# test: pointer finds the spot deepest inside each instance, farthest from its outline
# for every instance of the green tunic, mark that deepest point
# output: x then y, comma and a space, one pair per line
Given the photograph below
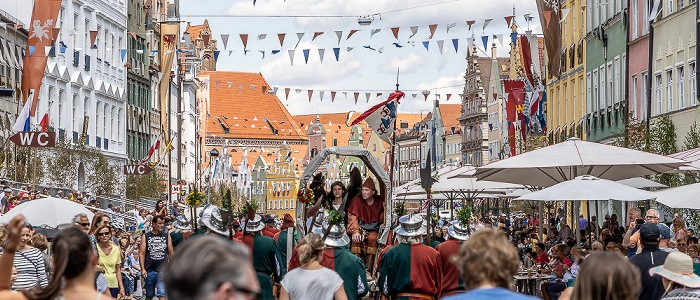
265, 262
352, 270
410, 268
177, 239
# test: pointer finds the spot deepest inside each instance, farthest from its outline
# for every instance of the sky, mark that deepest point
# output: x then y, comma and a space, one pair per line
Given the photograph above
360, 70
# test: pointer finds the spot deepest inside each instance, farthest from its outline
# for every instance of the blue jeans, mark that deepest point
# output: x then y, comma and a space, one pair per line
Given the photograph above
128, 282
554, 289
154, 285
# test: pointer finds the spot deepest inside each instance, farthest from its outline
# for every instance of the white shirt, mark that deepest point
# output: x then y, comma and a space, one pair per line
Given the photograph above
318, 284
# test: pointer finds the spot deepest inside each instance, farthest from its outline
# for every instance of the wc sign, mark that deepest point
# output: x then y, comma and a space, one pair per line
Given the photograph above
137, 169
34, 139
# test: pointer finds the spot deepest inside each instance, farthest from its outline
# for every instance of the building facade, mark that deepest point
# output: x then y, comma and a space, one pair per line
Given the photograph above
638, 61
139, 101
12, 44
605, 65
282, 184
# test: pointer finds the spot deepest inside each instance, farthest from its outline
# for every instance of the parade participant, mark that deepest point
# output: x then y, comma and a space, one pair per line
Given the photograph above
487, 263
269, 229
312, 280
214, 223
281, 239
451, 281
334, 199
365, 216
204, 213
210, 268
410, 270
350, 267
355, 185
182, 226
156, 247
265, 256
74, 276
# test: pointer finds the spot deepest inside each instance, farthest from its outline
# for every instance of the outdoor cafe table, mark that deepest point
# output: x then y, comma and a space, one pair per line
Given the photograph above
530, 282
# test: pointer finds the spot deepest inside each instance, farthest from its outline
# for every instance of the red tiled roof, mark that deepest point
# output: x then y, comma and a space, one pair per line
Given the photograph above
194, 30
251, 111
450, 113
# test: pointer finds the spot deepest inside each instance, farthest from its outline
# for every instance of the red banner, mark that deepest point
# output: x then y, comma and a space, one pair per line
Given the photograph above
44, 19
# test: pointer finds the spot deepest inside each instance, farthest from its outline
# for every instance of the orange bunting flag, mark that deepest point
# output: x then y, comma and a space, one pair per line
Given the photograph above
432, 30
93, 36
547, 16
54, 33
44, 19
356, 95
395, 30
332, 96
583, 7
281, 37
311, 92
448, 97
508, 19
470, 23
244, 39
316, 34
379, 94
286, 93
351, 33
426, 97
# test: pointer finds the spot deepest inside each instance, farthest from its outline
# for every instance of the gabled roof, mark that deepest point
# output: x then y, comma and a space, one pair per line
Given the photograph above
336, 125
251, 112
194, 30
450, 113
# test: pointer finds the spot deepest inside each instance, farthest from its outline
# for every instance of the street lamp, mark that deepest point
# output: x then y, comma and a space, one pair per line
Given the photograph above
213, 153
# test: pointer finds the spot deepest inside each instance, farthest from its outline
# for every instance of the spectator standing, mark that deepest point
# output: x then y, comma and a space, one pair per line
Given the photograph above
156, 247
582, 225
5, 201
679, 230
312, 280
629, 240
110, 259
651, 256
678, 278
604, 276
29, 262
665, 238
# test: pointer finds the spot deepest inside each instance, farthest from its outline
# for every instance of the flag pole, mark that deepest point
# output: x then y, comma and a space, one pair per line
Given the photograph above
393, 142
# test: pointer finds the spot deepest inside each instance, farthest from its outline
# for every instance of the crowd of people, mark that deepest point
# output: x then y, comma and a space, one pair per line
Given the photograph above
259, 257
11, 198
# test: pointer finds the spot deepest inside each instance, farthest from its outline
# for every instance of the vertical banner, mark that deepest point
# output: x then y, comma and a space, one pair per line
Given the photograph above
168, 41
552, 35
44, 19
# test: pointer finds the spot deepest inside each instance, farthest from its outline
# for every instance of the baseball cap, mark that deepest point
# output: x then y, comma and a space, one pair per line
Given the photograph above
649, 232
8, 190
664, 230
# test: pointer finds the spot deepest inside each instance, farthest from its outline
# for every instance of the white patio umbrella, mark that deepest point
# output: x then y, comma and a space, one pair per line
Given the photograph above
50, 211
566, 160
686, 196
640, 183
692, 156
588, 188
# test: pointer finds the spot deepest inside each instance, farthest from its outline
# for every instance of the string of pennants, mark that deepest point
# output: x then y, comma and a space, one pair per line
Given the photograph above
239, 87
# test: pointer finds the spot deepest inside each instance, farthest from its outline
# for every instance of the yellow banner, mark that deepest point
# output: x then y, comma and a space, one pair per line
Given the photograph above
168, 42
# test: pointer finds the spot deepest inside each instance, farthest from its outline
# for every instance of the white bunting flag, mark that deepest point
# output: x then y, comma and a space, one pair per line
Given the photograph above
224, 39
320, 53
374, 31
414, 30
367, 96
451, 25
440, 44
339, 33
262, 36
291, 56
486, 23
299, 35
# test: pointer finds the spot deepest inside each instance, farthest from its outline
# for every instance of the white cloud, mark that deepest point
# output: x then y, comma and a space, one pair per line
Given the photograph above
408, 64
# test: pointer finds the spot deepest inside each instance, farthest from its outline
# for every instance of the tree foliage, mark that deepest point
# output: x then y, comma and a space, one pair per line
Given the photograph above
149, 185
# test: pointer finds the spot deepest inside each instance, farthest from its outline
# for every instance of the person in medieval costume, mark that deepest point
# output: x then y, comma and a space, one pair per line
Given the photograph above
410, 269
350, 267
451, 281
182, 229
204, 213
214, 222
354, 187
269, 229
315, 226
281, 239
266, 260
365, 216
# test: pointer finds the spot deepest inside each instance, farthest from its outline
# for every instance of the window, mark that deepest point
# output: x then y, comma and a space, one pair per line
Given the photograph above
573, 91
583, 98
611, 86
374, 146
603, 10
680, 4
602, 94
681, 88
658, 94
616, 97
669, 90
670, 7
692, 84
633, 99
589, 20
634, 18
645, 17
589, 108
335, 141
645, 97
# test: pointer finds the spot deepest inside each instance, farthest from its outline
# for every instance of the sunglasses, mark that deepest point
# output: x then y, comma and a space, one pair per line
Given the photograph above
682, 244
253, 294
84, 224
103, 233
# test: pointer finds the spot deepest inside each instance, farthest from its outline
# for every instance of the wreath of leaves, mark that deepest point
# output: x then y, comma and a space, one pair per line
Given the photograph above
464, 216
336, 217
195, 197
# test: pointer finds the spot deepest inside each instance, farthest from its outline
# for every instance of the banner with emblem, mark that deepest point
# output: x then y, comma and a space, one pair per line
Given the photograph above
381, 117
168, 41
44, 19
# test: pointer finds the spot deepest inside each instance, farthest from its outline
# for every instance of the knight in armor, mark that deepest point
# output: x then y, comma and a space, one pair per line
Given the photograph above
181, 229
350, 267
410, 270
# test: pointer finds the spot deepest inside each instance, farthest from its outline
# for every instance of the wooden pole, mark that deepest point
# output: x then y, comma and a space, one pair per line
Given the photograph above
34, 173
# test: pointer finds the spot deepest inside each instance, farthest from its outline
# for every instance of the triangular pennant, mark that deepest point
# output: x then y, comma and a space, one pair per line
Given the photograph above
297, 91
332, 96
93, 36
244, 39
153, 52
139, 51
336, 51
316, 34
300, 35
414, 30
320, 94
311, 92
31, 50
275, 51
356, 95
321, 52
216, 55
351, 33
224, 39
414, 95
470, 23
380, 49
425, 96
286, 93
448, 97
306, 55
451, 25
47, 49
514, 38
564, 13
426, 44
527, 17
485, 39
486, 23
373, 32
348, 49
217, 84
123, 52
440, 43
339, 34
379, 94
281, 38
230, 84
395, 30
262, 36
263, 53
455, 42
547, 16
583, 7
367, 96
229, 52
54, 33
291, 56
240, 87
432, 30
499, 37
508, 19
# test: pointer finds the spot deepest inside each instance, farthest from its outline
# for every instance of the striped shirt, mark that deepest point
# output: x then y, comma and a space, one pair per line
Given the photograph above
30, 269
